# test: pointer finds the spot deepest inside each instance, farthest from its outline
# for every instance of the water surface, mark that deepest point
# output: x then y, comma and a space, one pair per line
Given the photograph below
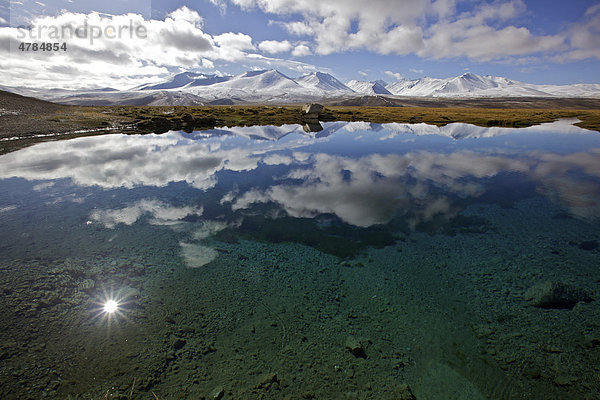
340, 261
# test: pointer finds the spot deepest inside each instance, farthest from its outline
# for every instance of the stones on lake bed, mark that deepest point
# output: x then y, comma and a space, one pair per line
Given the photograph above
589, 245
354, 346
177, 342
556, 295
404, 392
266, 380
217, 393
591, 340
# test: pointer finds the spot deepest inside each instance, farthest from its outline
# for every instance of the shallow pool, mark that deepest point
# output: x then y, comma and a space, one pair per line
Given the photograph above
343, 260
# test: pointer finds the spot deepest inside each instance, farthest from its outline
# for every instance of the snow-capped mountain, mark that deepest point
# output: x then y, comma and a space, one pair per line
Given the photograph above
368, 88
473, 85
256, 86
186, 79
322, 81
271, 86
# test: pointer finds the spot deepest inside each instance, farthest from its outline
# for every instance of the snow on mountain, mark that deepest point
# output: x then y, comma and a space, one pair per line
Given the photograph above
473, 85
256, 81
185, 79
323, 82
271, 86
368, 88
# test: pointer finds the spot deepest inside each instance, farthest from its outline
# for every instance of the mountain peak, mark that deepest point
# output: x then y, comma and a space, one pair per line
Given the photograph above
272, 86
322, 81
368, 88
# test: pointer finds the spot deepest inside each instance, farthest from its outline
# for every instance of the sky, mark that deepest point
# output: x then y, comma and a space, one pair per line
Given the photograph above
125, 43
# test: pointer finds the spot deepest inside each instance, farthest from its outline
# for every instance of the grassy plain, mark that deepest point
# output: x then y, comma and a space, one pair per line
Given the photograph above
24, 121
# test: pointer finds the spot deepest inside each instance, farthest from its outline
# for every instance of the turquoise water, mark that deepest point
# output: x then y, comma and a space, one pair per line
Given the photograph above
358, 261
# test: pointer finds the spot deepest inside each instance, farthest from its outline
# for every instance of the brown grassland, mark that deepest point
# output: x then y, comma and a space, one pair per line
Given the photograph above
24, 121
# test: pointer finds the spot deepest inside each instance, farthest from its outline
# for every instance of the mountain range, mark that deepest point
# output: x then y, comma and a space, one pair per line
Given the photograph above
274, 87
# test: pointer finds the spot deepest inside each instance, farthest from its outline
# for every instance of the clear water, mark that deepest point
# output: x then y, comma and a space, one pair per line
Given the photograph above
266, 262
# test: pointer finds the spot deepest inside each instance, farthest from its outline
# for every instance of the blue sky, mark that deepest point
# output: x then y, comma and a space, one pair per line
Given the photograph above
536, 41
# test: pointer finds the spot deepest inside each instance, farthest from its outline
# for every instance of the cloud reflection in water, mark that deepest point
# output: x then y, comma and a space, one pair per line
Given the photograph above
365, 174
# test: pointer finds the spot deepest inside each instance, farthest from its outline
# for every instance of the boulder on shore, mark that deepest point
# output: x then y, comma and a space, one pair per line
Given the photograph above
312, 108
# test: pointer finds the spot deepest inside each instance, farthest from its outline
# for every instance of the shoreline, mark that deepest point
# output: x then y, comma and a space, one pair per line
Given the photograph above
25, 121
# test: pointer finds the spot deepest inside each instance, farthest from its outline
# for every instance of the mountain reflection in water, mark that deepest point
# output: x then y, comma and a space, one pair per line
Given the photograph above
363, 173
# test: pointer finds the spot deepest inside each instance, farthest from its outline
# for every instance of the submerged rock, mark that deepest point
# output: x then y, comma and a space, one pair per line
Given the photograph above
591, 340
177, 343
589, 245
217, 393
355, 347
404, 392
556, 295
266, 380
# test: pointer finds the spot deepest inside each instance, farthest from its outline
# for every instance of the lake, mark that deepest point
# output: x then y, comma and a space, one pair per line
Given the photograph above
337, 260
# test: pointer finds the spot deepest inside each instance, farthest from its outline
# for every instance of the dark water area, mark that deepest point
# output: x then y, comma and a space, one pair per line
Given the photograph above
346, 261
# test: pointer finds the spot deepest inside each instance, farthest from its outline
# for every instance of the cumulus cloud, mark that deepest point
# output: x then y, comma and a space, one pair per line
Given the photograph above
584, 37
274, 46
429, 28
396, 75
121, 51
235, 41
301, 50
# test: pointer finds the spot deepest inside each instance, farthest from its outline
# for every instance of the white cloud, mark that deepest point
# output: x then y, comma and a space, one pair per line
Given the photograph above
484, 43
3, 21
221, 4
584, 37
301, 50
443, 8
122, 51
299, 28
207, 64
428, 28
396, 75
416, 71
236, 41
187, 15
274, 46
